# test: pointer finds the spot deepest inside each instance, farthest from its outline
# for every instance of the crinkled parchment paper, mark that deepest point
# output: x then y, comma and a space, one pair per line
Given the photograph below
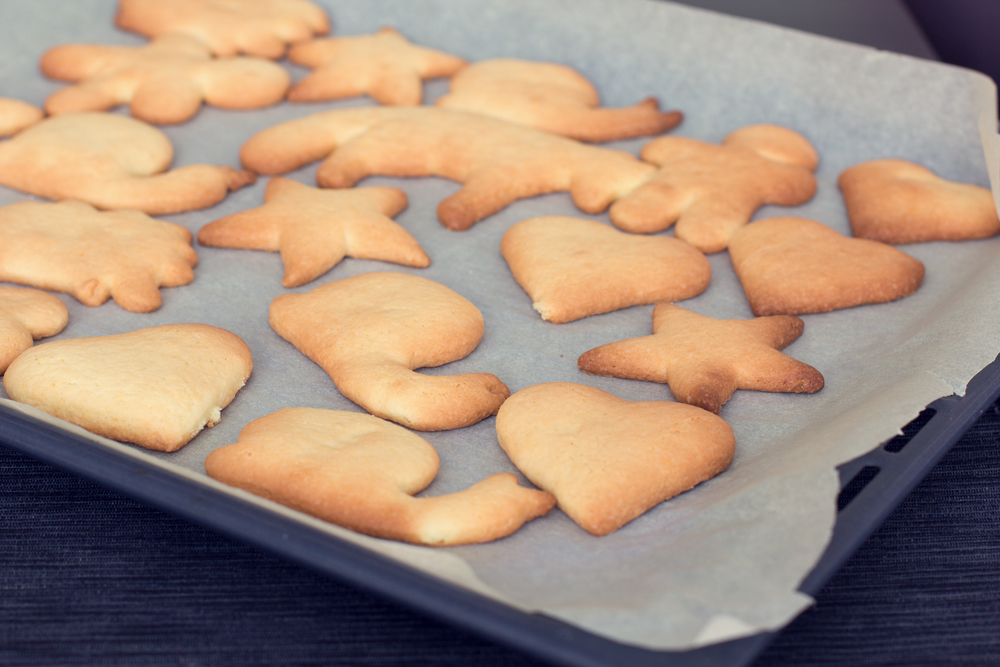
723, 560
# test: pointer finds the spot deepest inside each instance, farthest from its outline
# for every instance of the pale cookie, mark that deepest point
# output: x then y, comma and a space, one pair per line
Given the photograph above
794, 266
16, 115
25, 316
497, 162
255, 27
360, 472
163, 82
369, 332
895, 201
551, 97
712, 190
607, 460
572, 268
384, 66
110, 161
155, 387
315, 229
94, 255
704, 360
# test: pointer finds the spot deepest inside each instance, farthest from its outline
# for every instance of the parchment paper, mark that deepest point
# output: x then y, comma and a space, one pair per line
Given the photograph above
723, 560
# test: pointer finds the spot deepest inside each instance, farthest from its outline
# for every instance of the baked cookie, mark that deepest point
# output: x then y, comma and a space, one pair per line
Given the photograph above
497, 162
94, 255
256, 27
895, 201
16, 115
110, 161
551, 97
384, 66
155, 387
704, 360
361, 472
794, 266
315, 229
607, 460
369, 332
711, 190
572, 268
25, 316
163, 82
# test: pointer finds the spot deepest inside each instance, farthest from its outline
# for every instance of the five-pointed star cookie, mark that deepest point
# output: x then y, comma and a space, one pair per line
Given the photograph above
385, 66
165, 81
705, 360
26, 315
314, 229
711, 190
255, 27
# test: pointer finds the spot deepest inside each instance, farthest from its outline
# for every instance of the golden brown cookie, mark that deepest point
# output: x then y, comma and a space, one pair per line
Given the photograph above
385, 66
371, 331
794, 266
361, 472
163, 82
25, 316
551, 97
572, 268
712, 190
315, 229
155, 387
497, 162
895, 201
607, 460
110, 161
704, 360
16, 115
94, 255
255, 27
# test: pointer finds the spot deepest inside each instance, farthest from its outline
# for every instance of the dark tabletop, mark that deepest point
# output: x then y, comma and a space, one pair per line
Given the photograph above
89, 577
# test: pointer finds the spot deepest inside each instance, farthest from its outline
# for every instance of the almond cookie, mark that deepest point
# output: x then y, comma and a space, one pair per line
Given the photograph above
94, 255
162, 82
384, 66
712, 190
110, 161
794, 266
607, 460
704, 360
497, 162
895, 201
155, 387
255, 27
551, 97
25, 316
16, 115
315, 229
369, 332
361, 472
572, 268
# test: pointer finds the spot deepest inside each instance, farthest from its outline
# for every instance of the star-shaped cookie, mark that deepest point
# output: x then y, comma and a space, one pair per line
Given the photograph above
385, 66
163, 82
314, 229
704, 360
711, 190
255, 27
26, 315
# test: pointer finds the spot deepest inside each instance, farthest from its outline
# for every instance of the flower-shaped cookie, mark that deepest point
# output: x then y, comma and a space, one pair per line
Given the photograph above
163, 82
255, 27
25, 316
705, 360
315, 229
361, 472
384, 66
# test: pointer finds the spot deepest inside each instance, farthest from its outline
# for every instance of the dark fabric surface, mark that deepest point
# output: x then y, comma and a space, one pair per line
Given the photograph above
88, 577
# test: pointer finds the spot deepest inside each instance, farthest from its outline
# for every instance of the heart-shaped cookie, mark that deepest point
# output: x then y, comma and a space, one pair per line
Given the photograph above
792, 266
608, 460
